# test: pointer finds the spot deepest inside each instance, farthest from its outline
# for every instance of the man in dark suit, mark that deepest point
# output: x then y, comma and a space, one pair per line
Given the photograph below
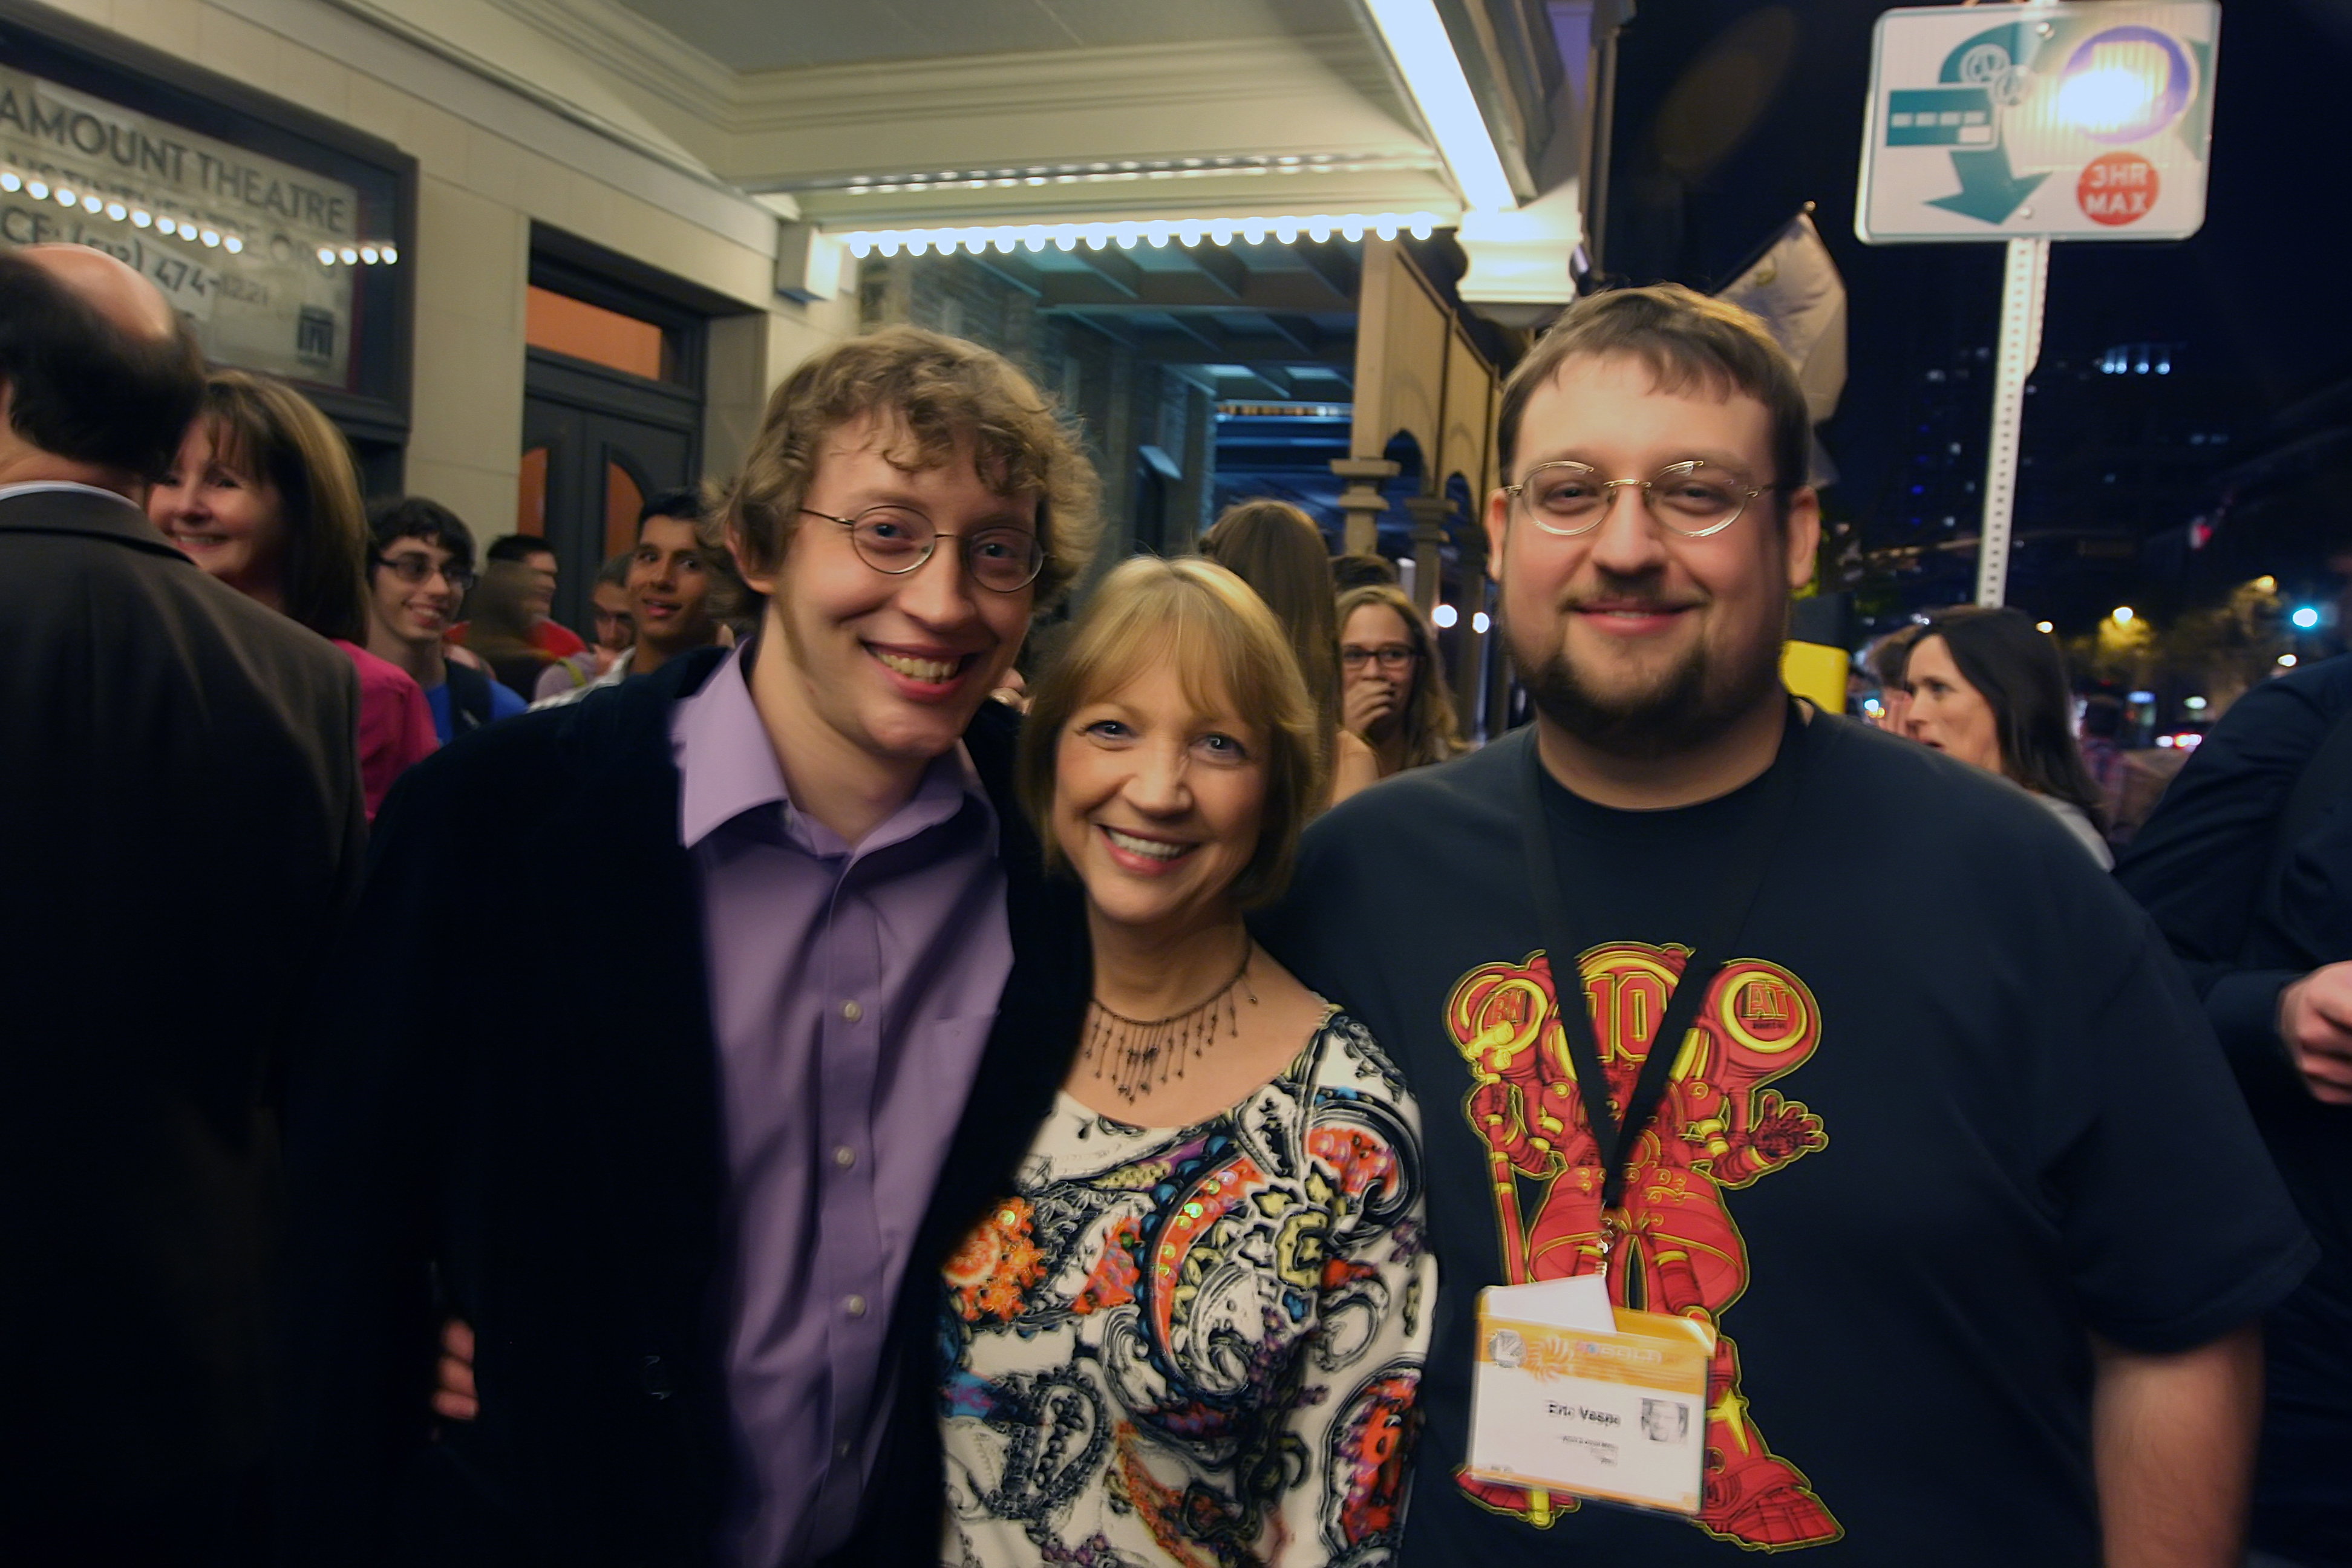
693, 1195
182, 819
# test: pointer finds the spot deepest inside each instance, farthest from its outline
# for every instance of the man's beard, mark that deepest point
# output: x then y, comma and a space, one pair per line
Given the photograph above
1680, 711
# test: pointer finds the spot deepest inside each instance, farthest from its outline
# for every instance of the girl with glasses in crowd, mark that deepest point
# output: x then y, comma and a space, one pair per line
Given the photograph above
263, 496
1393, 692
1193, 1331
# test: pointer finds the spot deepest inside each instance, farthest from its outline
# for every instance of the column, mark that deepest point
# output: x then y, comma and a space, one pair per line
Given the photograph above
1362, 500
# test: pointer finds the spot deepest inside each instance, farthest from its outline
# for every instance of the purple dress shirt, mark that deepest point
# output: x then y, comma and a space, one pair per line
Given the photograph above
851, 989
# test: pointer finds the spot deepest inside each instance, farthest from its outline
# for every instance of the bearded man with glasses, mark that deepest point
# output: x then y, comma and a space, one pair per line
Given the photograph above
686, 1216
1896, 1186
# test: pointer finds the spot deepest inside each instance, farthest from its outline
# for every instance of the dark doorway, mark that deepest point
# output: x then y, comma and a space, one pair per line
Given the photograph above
611, 414
595, 450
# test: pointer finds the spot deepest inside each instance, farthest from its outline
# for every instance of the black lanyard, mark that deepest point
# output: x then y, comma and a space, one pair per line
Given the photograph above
1725, 915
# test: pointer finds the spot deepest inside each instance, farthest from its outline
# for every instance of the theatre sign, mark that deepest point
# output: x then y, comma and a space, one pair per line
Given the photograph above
251, 249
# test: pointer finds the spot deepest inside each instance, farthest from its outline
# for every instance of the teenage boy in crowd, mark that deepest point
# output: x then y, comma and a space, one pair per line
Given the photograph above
421, 566
695, 1206
681, 582
538, 560
1912, 1195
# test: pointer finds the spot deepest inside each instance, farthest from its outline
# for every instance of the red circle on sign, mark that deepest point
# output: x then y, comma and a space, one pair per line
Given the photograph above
2117, 188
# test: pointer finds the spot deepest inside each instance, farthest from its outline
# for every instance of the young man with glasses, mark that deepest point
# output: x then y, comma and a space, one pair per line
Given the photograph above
1899, 1211
419, 573
693, 1210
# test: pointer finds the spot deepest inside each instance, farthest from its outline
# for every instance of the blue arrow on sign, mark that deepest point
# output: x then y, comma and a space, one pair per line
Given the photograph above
1988, 190
1993, 63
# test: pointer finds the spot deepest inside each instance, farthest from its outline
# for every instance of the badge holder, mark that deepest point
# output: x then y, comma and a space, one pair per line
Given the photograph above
1572, 1396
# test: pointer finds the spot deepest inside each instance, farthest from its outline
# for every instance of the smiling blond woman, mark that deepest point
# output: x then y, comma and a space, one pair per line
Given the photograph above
1192, 1330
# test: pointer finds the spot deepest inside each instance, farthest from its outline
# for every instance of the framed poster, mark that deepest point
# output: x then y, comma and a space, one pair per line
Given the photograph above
284, 238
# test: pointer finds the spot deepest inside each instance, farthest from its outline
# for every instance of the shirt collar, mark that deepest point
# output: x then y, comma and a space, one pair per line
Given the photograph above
728, 768
32, 487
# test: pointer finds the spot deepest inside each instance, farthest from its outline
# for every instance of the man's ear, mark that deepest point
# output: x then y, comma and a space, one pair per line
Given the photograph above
1801, 535
761, 583
1498, 527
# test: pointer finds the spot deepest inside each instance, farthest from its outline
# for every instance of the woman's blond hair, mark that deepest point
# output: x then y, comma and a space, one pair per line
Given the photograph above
266, 430
1200, 619
932, 393
1432, 734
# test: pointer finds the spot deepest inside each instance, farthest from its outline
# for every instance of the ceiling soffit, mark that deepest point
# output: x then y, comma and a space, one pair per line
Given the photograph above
1329, 93
747, 30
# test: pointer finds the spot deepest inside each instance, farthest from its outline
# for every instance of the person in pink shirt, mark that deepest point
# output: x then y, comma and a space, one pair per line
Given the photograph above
263, 496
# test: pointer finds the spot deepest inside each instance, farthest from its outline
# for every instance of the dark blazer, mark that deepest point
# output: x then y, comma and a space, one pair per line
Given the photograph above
536, 1132
179, 822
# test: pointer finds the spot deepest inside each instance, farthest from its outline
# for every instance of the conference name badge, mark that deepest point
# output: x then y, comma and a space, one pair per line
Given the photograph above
1573, 1396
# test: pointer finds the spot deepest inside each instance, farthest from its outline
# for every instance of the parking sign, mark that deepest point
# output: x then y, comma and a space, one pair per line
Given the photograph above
2090, 120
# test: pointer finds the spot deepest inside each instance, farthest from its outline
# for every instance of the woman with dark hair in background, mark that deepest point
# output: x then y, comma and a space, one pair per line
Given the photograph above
1393, 686
263, 496
1278, 550
1990, 688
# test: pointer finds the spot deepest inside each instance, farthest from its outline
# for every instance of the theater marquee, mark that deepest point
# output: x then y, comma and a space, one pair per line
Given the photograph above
234, 238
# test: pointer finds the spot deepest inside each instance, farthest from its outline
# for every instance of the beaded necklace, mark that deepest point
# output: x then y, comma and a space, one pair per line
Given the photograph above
1137, 1053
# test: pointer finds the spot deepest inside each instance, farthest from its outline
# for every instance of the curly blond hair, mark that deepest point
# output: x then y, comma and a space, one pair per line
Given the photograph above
938, 392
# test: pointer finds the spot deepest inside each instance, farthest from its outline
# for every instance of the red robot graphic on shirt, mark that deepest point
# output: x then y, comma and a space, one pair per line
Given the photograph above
1717, 1128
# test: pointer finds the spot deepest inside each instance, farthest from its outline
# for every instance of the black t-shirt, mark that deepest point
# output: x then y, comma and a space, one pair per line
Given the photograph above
1953, 1111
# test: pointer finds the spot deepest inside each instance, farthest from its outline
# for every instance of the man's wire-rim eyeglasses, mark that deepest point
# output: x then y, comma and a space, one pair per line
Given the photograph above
417, 569
898, 540
1567, 499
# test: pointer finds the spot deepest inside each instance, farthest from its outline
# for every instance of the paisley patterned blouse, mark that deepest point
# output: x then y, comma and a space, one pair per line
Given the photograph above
1196, 1345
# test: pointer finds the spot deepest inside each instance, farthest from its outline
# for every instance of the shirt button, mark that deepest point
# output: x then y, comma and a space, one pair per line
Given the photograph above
852, 1011
845, 1156
854, 1305
841, 1449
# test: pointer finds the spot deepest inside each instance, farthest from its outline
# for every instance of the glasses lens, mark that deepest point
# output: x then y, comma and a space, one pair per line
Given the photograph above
1565, 494
1395, 656
892, 539
1004, 560
1690, 500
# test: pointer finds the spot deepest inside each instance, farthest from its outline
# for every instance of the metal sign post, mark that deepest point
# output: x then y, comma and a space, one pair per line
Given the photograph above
2021, 290
2087, 120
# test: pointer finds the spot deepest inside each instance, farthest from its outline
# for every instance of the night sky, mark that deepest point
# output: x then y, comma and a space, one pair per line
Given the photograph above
1731, 115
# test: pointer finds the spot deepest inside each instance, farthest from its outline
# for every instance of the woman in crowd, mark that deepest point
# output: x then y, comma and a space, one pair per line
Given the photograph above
263, 496
1990, 688
1393, 691
616, 632
1189, 1333
1278, 550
